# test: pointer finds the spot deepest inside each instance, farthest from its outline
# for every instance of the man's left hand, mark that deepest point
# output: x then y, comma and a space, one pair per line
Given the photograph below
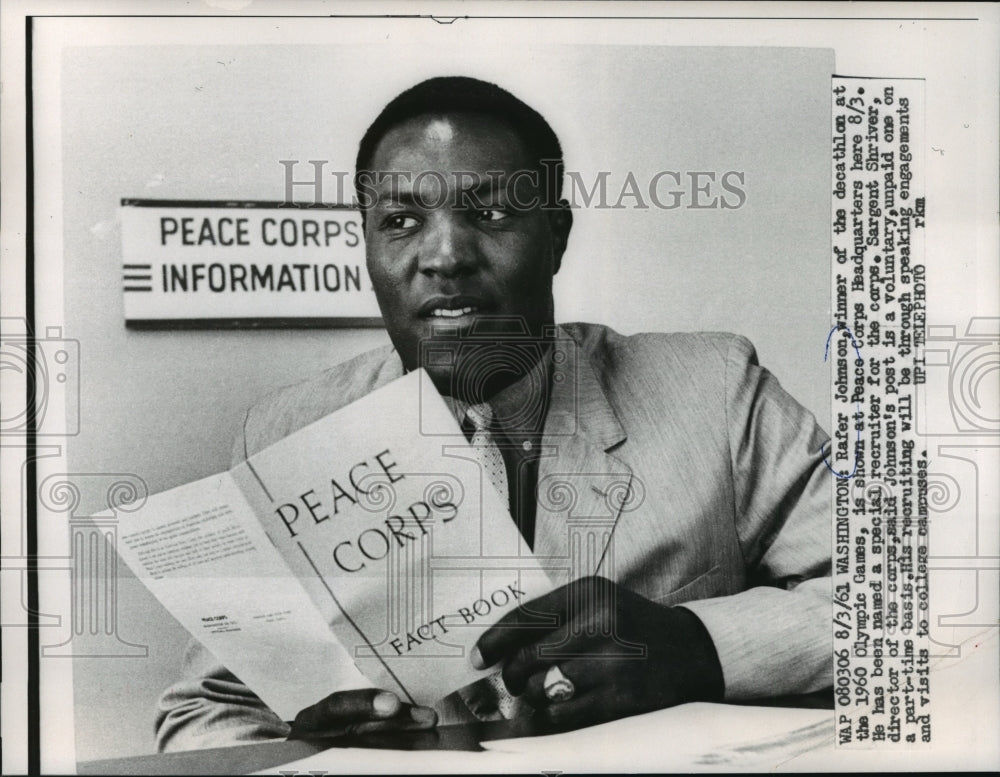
623, 653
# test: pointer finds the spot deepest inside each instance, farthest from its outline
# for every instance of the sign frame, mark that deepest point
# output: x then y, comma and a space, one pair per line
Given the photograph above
131, 281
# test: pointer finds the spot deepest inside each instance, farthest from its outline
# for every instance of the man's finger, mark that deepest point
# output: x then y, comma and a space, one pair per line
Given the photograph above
540, 655
344, 708
588, 708
526, 663
532, 620
418, 718
586, 674
582, 710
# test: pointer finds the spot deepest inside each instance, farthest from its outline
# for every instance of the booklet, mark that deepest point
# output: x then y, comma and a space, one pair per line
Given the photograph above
366, 549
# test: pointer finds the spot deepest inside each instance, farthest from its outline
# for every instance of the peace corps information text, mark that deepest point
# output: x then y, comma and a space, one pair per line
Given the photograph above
880, 608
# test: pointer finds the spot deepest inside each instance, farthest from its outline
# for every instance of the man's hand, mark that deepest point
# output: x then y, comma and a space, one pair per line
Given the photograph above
623, 653
360, 712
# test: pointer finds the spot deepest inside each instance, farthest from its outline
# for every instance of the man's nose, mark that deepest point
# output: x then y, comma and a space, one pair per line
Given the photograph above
448, 249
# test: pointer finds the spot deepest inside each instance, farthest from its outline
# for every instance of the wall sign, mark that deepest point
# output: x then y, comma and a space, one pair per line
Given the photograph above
197, 264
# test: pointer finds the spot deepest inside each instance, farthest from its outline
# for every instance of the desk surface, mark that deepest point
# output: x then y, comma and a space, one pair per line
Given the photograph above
243, 759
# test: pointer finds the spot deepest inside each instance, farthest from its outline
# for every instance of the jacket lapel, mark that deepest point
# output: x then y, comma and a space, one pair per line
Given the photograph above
581, 486
389, 370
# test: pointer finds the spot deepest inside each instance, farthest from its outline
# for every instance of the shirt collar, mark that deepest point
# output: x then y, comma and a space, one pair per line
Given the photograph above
520, 408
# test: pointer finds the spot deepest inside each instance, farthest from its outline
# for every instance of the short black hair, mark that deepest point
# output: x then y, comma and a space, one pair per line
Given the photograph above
449, 95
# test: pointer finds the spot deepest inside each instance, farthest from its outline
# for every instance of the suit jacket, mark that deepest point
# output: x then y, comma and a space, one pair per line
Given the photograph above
671, 463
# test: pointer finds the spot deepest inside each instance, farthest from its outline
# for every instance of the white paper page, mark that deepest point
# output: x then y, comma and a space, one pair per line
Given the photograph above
690, 738
699, 735
203, 554
358, 760
412, 572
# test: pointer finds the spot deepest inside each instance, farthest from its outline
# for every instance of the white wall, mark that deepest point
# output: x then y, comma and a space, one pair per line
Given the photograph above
211, 122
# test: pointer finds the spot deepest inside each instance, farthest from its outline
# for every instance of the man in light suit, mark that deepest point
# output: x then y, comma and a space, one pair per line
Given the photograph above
711, 581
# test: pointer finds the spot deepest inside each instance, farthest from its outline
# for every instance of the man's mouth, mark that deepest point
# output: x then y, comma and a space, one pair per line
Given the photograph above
450, 307
452, 313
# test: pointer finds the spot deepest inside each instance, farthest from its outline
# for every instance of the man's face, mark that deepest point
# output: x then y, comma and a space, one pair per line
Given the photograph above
451, 249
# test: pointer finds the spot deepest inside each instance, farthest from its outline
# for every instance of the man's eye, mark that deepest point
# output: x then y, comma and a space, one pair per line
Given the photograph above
400, 221
491, 214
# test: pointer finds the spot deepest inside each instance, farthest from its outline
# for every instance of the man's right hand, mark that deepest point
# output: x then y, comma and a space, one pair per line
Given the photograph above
360, 712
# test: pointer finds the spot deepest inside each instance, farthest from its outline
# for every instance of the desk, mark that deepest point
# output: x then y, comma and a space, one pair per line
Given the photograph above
243, 759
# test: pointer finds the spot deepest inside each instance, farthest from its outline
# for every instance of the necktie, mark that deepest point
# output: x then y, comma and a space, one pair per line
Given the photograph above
489, 694
485, 447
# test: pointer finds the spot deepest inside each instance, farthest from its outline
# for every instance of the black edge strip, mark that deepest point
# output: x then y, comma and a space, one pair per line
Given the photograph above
252, 323
34, 744
134, 202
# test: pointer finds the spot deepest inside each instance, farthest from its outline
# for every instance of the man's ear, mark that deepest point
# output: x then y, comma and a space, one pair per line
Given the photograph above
560, 222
